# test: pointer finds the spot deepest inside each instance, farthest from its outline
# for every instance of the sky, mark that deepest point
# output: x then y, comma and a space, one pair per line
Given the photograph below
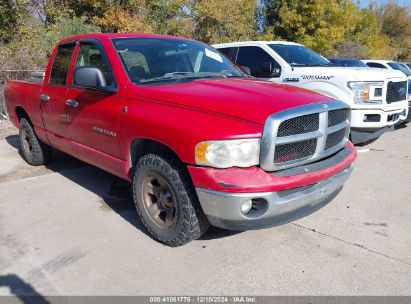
365, 3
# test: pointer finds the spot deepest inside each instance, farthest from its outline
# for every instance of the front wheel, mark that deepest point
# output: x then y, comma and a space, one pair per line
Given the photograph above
34, 151
166, 201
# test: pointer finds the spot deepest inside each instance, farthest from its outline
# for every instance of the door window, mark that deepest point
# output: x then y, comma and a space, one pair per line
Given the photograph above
255, 58
61, 64
230, 52
91, 56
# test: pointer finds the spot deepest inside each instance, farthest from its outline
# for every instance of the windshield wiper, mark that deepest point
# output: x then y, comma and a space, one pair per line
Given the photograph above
172, 74
188, 75
168, 77
214, 74
311, 64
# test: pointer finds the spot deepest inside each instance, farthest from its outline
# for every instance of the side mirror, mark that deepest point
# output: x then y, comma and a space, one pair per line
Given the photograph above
267, 70
92, 78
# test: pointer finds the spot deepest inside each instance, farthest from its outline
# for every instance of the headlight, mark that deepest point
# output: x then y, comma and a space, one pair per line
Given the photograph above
366, 92
228, 153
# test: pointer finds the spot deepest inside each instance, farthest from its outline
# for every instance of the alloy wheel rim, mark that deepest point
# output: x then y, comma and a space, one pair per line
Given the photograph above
159, 201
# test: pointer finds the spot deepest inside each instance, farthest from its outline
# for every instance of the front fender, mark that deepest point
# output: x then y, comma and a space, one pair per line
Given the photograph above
179, 128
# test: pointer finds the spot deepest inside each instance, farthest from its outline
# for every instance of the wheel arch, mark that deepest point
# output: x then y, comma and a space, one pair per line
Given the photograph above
142, 146
21, 113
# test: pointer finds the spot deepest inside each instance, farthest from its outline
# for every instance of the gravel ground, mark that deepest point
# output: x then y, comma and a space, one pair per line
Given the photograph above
6, 128
71, 229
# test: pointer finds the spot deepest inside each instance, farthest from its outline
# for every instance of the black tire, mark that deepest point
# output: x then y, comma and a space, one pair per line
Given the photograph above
189, 222
34, 151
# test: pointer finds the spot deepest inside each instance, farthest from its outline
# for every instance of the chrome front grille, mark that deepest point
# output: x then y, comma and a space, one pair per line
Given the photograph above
304, 134
289, 152
333, 139
298, 125
336, 117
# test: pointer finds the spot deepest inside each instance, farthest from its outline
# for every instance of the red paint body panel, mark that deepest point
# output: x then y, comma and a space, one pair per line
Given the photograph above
252, 180
176, 115
180, 128
98, 109
246, 99
25, 95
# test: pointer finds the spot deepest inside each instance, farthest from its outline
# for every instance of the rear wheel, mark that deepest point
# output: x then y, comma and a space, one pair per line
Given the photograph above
34, 151
166, 200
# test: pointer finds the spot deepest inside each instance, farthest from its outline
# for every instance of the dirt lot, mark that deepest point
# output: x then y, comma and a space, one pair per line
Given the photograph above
71, 229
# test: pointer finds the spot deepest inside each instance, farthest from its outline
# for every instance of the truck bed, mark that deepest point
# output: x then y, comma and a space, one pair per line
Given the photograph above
24, 94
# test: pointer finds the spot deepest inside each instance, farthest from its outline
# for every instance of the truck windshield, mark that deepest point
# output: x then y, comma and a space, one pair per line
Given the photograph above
161, 60
399, 67
347, 62
298, 55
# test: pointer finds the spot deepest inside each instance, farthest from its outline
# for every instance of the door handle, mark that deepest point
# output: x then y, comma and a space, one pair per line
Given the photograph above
72, 103
44, 97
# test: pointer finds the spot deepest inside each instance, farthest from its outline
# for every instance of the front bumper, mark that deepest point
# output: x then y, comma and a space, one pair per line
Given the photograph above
377, 118
359, 136
408, 118
223, 209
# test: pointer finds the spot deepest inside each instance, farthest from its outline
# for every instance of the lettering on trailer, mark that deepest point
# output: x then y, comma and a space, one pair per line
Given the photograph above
316, 77
102, 131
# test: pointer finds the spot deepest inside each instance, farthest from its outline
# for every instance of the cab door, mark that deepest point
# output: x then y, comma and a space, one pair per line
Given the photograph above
54, 110
94, 114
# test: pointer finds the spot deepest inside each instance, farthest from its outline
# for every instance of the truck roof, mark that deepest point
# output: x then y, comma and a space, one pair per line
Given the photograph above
119, 35
377, 61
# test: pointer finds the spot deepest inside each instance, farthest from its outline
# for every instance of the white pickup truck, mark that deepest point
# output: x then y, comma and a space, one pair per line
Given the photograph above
377, 98
392, 65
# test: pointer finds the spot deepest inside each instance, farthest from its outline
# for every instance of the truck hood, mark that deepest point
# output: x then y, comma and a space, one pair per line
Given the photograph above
244, 99
346, 73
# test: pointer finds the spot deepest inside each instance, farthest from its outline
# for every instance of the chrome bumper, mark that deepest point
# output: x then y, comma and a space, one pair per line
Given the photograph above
223, 209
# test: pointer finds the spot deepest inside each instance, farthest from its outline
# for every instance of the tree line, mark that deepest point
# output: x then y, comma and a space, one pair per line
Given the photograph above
29, 29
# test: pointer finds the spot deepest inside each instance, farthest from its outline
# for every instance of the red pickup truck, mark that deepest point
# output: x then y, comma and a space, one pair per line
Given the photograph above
201, 142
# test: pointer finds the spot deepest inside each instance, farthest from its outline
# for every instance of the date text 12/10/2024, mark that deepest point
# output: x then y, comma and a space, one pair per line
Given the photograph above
203, 299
